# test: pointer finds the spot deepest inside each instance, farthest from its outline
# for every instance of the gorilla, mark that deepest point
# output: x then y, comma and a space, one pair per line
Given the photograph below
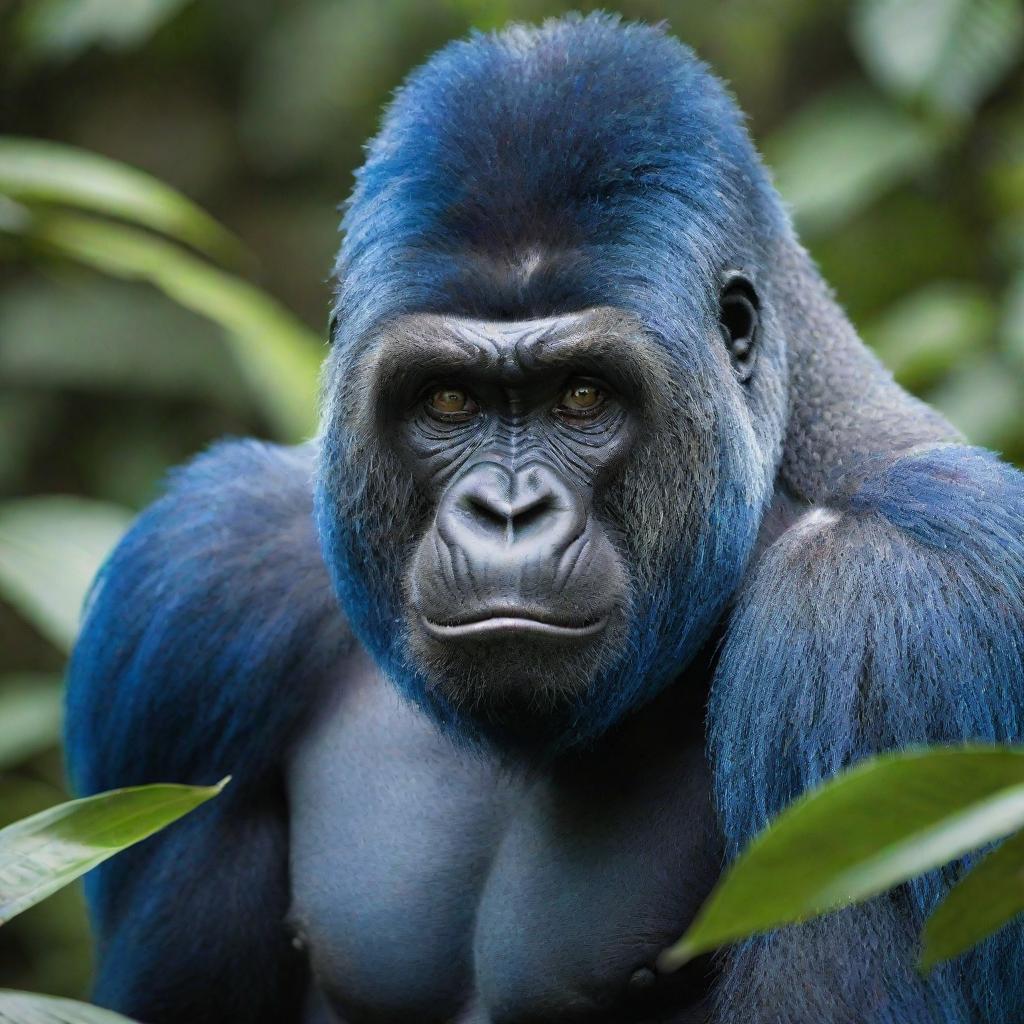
615, 538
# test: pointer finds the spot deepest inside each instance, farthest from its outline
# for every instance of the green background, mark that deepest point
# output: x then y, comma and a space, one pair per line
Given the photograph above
895, 129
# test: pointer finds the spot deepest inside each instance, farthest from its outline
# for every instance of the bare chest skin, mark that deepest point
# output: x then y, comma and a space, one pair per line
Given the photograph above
430, 883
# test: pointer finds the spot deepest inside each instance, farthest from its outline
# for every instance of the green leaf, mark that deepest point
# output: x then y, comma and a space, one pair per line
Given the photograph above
43, 853
885, 821
929, 331
14, 218
64, 28
983, 400
28, 1008
50, 550
948, 53
34, 171
30, 713
985, 899
125, 337
842, 152
279, 354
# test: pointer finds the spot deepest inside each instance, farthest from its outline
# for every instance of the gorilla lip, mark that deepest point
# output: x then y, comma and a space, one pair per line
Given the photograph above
511, 621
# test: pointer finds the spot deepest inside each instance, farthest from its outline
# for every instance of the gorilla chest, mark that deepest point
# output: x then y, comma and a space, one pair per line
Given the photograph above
429, 884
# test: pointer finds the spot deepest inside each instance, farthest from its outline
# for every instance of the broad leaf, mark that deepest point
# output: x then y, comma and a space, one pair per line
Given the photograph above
842, 152
45, 852
279, 354
34, 171
929, 331
28, 1008
30, 710
983, 399
50, 550
989, 896
886, 821
88, 332
949, 53
14, 218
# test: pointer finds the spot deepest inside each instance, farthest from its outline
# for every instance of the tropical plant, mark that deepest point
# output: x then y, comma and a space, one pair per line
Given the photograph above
56, 201
47, 851
879, 824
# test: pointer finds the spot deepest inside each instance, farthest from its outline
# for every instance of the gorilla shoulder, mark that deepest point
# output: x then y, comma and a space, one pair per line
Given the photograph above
216, 597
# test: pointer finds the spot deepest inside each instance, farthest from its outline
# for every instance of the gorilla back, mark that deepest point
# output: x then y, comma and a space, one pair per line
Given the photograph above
614, 540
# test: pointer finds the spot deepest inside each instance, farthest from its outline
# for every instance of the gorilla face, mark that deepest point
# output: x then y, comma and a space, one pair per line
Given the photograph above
534, 523
516, 591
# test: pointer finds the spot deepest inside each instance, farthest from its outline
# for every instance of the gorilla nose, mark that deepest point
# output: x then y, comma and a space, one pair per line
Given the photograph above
512, 515
498, 506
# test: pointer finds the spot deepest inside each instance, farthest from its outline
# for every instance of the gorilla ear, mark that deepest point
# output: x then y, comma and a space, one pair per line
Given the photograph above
739, 317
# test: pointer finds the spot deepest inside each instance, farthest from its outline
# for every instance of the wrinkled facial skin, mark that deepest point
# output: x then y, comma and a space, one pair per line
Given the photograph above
516, 592
533, 525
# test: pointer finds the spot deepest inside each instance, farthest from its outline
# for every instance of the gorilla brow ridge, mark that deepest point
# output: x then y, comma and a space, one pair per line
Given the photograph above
425, 345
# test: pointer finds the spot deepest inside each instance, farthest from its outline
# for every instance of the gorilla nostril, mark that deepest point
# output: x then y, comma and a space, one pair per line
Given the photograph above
511, 518
505, 508
490, 513
530, 515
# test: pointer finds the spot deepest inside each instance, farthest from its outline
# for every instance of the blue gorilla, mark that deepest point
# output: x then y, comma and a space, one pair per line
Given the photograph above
615, 538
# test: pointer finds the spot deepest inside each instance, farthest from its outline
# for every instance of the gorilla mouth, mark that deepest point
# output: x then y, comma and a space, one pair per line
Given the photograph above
513, 622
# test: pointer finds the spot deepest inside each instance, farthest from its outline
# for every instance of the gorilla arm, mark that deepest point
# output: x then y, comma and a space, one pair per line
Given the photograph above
890, 614
207, 636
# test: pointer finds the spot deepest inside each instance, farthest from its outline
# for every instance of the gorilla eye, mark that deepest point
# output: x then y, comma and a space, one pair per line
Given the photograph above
739, 318
580, 398
451, 403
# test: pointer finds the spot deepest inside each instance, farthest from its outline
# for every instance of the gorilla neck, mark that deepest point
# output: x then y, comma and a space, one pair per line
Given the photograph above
844, 405
534, 745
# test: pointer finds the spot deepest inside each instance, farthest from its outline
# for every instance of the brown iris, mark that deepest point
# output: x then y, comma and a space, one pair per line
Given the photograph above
451, 402
581, 396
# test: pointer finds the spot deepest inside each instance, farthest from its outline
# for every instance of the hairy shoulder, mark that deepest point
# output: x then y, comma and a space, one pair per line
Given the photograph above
894, 616
217, 600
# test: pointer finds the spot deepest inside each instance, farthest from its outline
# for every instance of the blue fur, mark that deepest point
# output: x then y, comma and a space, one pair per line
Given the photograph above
206, 638
203, 605
895, 619
609, 144
610, 149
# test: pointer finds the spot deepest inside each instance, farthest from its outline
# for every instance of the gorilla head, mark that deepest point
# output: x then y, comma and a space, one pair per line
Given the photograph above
555, 404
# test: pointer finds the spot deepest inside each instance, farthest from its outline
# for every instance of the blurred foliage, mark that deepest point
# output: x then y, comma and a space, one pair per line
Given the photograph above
134, 329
